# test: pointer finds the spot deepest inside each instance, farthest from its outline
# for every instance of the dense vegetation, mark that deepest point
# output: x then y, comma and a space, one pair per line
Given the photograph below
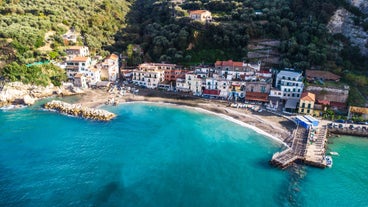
23, 24
35, 74
159, 30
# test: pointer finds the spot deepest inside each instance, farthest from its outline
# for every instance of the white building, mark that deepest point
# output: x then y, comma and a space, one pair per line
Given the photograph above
200, 15
217, 83
110, 68
77, 65
290, 84
81, 51
148, 78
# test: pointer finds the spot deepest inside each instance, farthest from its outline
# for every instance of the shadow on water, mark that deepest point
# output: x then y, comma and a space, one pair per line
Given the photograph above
290, 192
110, 190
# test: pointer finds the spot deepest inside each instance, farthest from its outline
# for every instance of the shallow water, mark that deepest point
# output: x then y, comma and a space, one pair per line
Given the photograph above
154, 155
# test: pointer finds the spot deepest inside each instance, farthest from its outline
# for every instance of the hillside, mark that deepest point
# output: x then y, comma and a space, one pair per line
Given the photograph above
24, 24
279, 33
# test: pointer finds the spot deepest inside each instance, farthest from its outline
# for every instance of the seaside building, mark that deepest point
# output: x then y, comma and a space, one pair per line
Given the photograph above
80, 51
257, 91
77, 65
156, 66
196, 81
306, 103
200, 15
80, 80
291, 85
216, 86
109, 68
232, 70
148, 77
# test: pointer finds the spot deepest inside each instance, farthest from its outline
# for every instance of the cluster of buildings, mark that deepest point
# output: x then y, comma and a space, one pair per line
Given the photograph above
85, 71
239, 81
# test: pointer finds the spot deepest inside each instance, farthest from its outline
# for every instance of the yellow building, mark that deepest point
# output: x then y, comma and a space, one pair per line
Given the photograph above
306, 104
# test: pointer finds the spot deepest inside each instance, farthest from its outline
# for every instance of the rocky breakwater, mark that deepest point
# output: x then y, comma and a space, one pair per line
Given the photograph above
79, 111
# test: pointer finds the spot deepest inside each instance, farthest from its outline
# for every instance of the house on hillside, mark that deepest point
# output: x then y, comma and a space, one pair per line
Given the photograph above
233, 70
306, 103
200, 15
77, 65
74, 51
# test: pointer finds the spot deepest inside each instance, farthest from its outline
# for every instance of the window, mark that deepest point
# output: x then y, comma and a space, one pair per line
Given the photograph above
303, 105
302, 110
309, 106
308, 111
263, 89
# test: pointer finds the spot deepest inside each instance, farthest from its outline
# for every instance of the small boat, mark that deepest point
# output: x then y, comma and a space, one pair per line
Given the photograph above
329, 161
334, 153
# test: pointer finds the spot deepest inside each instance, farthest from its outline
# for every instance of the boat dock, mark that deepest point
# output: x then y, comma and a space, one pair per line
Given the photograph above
308, 147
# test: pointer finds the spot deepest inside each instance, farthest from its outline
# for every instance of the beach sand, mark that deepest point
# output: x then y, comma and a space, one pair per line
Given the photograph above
264, 122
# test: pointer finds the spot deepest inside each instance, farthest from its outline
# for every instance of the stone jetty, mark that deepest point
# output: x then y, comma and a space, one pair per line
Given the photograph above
79, 110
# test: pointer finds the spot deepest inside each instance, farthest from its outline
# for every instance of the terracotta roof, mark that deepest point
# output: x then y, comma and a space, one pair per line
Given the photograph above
80, 59
228, 63
113, 57
211, 92
325, 75
75, 47
78, 75
256, 96
360, 110
198, 11
307, 96
324, 102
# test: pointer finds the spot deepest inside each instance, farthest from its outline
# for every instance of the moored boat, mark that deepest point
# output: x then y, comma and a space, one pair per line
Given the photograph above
334, 153
329, 161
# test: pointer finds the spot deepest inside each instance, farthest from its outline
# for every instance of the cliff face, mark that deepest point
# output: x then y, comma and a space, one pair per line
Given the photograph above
361, 4
342, 22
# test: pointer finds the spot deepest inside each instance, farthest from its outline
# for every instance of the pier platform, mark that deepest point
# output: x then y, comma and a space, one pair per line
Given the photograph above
308, 146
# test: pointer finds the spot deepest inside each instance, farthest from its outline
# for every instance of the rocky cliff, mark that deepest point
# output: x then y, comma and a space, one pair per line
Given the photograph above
19, 93
342, 22
361, 4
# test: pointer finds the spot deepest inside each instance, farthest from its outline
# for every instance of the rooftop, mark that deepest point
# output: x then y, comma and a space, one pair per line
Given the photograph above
228, 63
291, 74
320, 74
307, 96
360, 110
75, 47
80, 59
198, 11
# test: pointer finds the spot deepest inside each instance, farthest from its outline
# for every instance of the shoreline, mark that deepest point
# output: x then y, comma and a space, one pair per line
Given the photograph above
274, 127
223, 116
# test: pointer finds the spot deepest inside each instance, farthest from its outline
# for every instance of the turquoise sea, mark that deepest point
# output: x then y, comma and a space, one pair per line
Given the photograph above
153, 155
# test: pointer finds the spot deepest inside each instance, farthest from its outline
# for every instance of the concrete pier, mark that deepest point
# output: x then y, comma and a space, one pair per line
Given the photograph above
308, 147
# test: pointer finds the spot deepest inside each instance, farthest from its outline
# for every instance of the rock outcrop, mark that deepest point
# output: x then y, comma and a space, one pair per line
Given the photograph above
361, 4
19, 93
342, 22
79, 111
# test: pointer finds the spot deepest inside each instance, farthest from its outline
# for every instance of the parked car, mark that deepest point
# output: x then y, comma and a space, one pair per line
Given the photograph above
362, 122
349, 121
340, 121
341, 126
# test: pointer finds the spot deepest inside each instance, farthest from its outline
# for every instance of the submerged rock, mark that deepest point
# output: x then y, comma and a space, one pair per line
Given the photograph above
79, 110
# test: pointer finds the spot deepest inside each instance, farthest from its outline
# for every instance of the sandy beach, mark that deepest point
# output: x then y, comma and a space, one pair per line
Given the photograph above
274, 126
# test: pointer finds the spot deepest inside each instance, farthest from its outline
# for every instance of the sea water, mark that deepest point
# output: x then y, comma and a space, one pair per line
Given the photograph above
153, 155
